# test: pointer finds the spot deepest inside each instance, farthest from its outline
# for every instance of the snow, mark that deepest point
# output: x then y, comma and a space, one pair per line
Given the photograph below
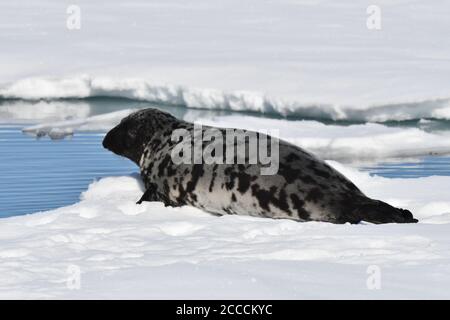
314, 57
357, 144
82, 87
361, 143
52, 111
124, 250
102, 122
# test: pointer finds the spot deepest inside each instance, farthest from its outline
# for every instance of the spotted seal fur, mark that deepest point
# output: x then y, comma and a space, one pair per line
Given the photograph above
304, 188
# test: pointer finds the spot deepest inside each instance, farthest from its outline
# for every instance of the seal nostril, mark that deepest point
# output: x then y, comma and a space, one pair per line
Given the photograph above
112, 140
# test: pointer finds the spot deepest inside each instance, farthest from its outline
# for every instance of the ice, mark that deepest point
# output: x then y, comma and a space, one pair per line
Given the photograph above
39, 111
360, 143
310, 58
363, 143
58, 130
184, 253
202, 98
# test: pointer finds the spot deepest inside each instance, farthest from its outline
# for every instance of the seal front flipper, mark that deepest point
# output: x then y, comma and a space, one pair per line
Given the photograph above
150, 194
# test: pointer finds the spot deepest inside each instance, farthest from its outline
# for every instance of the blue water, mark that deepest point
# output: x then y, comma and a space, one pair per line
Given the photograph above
43, 174
427, 166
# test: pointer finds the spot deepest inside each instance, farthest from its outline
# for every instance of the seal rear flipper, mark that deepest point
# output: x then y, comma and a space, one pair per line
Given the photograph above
150, 194
379, 212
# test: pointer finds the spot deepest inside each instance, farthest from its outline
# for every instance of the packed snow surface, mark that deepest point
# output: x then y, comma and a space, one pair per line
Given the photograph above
314, 58
201, 98
124, 250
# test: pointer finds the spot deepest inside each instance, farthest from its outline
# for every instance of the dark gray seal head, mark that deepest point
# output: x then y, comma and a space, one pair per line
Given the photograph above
304, 188
129, 138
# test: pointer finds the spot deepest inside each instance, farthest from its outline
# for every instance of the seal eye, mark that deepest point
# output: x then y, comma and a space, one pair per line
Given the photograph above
129, 139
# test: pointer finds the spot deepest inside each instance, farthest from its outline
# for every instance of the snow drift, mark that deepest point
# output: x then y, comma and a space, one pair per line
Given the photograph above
310, 58
183, 253
353, 143
141, 90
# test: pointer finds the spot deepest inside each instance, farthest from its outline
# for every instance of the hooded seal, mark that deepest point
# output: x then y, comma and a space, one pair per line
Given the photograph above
304, 188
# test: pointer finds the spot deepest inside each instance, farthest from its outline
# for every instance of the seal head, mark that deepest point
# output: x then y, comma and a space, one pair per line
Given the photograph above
130, 136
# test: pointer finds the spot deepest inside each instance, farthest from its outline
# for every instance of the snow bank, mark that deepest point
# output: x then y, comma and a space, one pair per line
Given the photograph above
354, 143
142, 90
363, 143
124, 250
38, 111
57, 130
314, 58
